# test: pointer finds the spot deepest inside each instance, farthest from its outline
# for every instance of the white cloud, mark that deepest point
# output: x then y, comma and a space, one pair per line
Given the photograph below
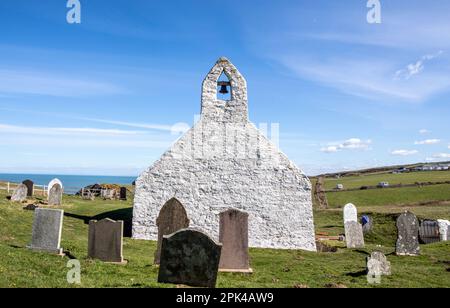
404, 152
427, 142
442, 155
417, 67
349, 144
424, 131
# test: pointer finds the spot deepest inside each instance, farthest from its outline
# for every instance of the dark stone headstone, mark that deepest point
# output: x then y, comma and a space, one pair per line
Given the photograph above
429, 232
123, 193
172, 218
47, 230
234, 239
106, 240
408, 235
189, 257
354, 235
20, 193
55, 195
30, 185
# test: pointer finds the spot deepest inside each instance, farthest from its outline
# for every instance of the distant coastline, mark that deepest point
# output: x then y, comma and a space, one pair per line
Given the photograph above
72, 183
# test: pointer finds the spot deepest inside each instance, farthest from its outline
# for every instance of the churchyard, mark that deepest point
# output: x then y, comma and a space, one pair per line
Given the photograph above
22, 267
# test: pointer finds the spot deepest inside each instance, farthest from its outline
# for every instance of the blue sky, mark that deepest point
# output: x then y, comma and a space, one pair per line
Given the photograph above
103, 96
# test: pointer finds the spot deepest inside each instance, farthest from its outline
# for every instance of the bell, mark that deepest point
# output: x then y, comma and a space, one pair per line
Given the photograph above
223, 87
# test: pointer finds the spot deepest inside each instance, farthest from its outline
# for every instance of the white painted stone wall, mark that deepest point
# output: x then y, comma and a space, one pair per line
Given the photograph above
225, 162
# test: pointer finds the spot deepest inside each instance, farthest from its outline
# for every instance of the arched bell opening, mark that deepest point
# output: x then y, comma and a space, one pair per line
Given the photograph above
224, 89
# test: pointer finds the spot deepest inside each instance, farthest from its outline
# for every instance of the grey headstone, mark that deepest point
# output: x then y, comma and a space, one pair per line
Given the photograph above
354, 235
47, 230
378, 265
234, 239
367, 224
106, 240
172, 218
350, 213
189, 257
20, 193
408, 235
429, 232
30, 185
55, 195
123, 193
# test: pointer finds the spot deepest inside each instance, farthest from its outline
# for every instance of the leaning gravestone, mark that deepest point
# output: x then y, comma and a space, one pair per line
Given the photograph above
350, 213
20, 193
378, 265
234, 239
30, 185
55, 195
191, 258
408, 235
354, 235
106, 240
429, 232
47, 229
172, 218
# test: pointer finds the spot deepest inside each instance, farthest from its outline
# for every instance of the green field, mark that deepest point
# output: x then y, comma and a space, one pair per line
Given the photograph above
20, 267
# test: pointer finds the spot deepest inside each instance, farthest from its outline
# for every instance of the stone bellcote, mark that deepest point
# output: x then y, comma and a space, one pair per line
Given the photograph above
215, 109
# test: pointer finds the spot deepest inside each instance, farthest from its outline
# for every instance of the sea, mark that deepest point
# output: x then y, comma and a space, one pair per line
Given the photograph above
72, 183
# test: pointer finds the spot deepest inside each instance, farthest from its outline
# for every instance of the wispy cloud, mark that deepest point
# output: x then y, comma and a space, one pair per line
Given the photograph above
442, 155
350, 144
424, 131
404, 152
417, 67
427, 142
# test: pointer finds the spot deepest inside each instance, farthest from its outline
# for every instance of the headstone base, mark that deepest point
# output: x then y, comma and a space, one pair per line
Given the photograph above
58, 252
239, 271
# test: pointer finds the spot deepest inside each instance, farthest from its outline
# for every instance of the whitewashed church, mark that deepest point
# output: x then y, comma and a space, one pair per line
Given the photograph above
225, 162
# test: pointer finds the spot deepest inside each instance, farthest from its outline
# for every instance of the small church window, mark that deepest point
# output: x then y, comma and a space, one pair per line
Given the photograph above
224, 88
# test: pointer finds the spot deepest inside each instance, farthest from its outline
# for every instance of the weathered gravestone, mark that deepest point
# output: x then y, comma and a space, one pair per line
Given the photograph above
443, 229
378, 265
30, 185
408, 235
234, 239
106, 240
350, 213
354, 235
189, 257
429, 232
55, 195
123, 193
20, 193
47, 229
367, 224
172, 218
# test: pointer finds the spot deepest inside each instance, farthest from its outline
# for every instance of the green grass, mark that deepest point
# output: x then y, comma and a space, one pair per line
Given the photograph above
20, 267
373, 179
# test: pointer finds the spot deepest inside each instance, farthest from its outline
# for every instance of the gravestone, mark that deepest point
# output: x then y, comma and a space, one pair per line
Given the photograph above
408, 235
443, 229
172, 218
378, 265
354, 235
123, 193
47, 229
367, 224
106, 240
350, 213
55, 195
30, 185
234, 239
429, 232
20, 193
189, 257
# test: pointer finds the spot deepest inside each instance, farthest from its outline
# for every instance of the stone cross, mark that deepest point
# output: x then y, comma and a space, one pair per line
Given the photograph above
354, 235
408, 235
234, 239
189, 257
20, 193
47, 230
106, 240
30, 185
172, 218
350, 213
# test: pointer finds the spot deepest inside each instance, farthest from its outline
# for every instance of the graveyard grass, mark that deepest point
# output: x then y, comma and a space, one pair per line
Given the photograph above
20, 267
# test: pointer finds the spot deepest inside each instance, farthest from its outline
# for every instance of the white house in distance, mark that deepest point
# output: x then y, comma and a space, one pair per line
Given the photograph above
225, 162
